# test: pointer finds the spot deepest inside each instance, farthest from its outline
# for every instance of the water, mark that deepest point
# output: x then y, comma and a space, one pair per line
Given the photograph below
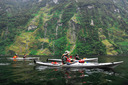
26, 73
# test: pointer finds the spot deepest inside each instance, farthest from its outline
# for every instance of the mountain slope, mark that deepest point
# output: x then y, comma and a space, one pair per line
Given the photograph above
94, 27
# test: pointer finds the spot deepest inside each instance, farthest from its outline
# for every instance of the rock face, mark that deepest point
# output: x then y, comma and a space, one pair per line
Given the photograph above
92, 23
86, 27
39, 0
55, 1
32, 27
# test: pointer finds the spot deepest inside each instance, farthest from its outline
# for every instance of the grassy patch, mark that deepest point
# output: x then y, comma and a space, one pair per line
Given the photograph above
107, 43
125, 43
33, 52
109, 48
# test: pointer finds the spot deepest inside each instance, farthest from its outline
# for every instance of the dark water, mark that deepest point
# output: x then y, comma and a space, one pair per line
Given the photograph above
27, 73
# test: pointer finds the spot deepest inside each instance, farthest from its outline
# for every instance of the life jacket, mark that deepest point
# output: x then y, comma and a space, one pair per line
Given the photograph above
14, 56
68, 59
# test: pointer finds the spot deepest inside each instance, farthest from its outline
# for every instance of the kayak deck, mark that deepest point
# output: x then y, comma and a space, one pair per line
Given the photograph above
86, 60
47, 64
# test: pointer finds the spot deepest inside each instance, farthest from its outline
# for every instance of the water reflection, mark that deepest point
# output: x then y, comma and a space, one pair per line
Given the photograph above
93, 76
78, 75
21, 72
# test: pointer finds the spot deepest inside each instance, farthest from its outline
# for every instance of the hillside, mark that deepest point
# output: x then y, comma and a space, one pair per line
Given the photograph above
49, 27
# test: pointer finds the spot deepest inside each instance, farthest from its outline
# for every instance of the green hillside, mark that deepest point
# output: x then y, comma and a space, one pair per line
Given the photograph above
49, 27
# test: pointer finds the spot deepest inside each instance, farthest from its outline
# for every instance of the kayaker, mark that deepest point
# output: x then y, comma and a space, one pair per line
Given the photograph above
24, 56
15, 56
77, 57
65, 58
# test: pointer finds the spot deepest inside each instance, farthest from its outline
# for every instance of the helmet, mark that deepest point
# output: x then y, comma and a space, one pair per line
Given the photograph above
67, 52
64, 54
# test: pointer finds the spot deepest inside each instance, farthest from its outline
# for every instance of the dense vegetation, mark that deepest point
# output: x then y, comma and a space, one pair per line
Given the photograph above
49, 27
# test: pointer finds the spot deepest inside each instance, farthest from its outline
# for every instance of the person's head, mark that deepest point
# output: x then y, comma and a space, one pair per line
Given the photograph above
67, 52
76, 54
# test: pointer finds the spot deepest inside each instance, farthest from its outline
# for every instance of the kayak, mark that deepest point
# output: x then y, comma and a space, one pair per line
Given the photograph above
27, 58
86, 60
95, 65
81, 65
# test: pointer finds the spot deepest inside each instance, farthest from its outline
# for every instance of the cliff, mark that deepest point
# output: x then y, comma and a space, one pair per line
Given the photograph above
85, 27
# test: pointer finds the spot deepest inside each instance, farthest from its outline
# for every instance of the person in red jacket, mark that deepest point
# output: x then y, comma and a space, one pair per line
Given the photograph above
15, 56
65, 58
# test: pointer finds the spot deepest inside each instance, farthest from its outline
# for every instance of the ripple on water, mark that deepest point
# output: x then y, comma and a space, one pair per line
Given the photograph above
31, 64
3, 64
41, 68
